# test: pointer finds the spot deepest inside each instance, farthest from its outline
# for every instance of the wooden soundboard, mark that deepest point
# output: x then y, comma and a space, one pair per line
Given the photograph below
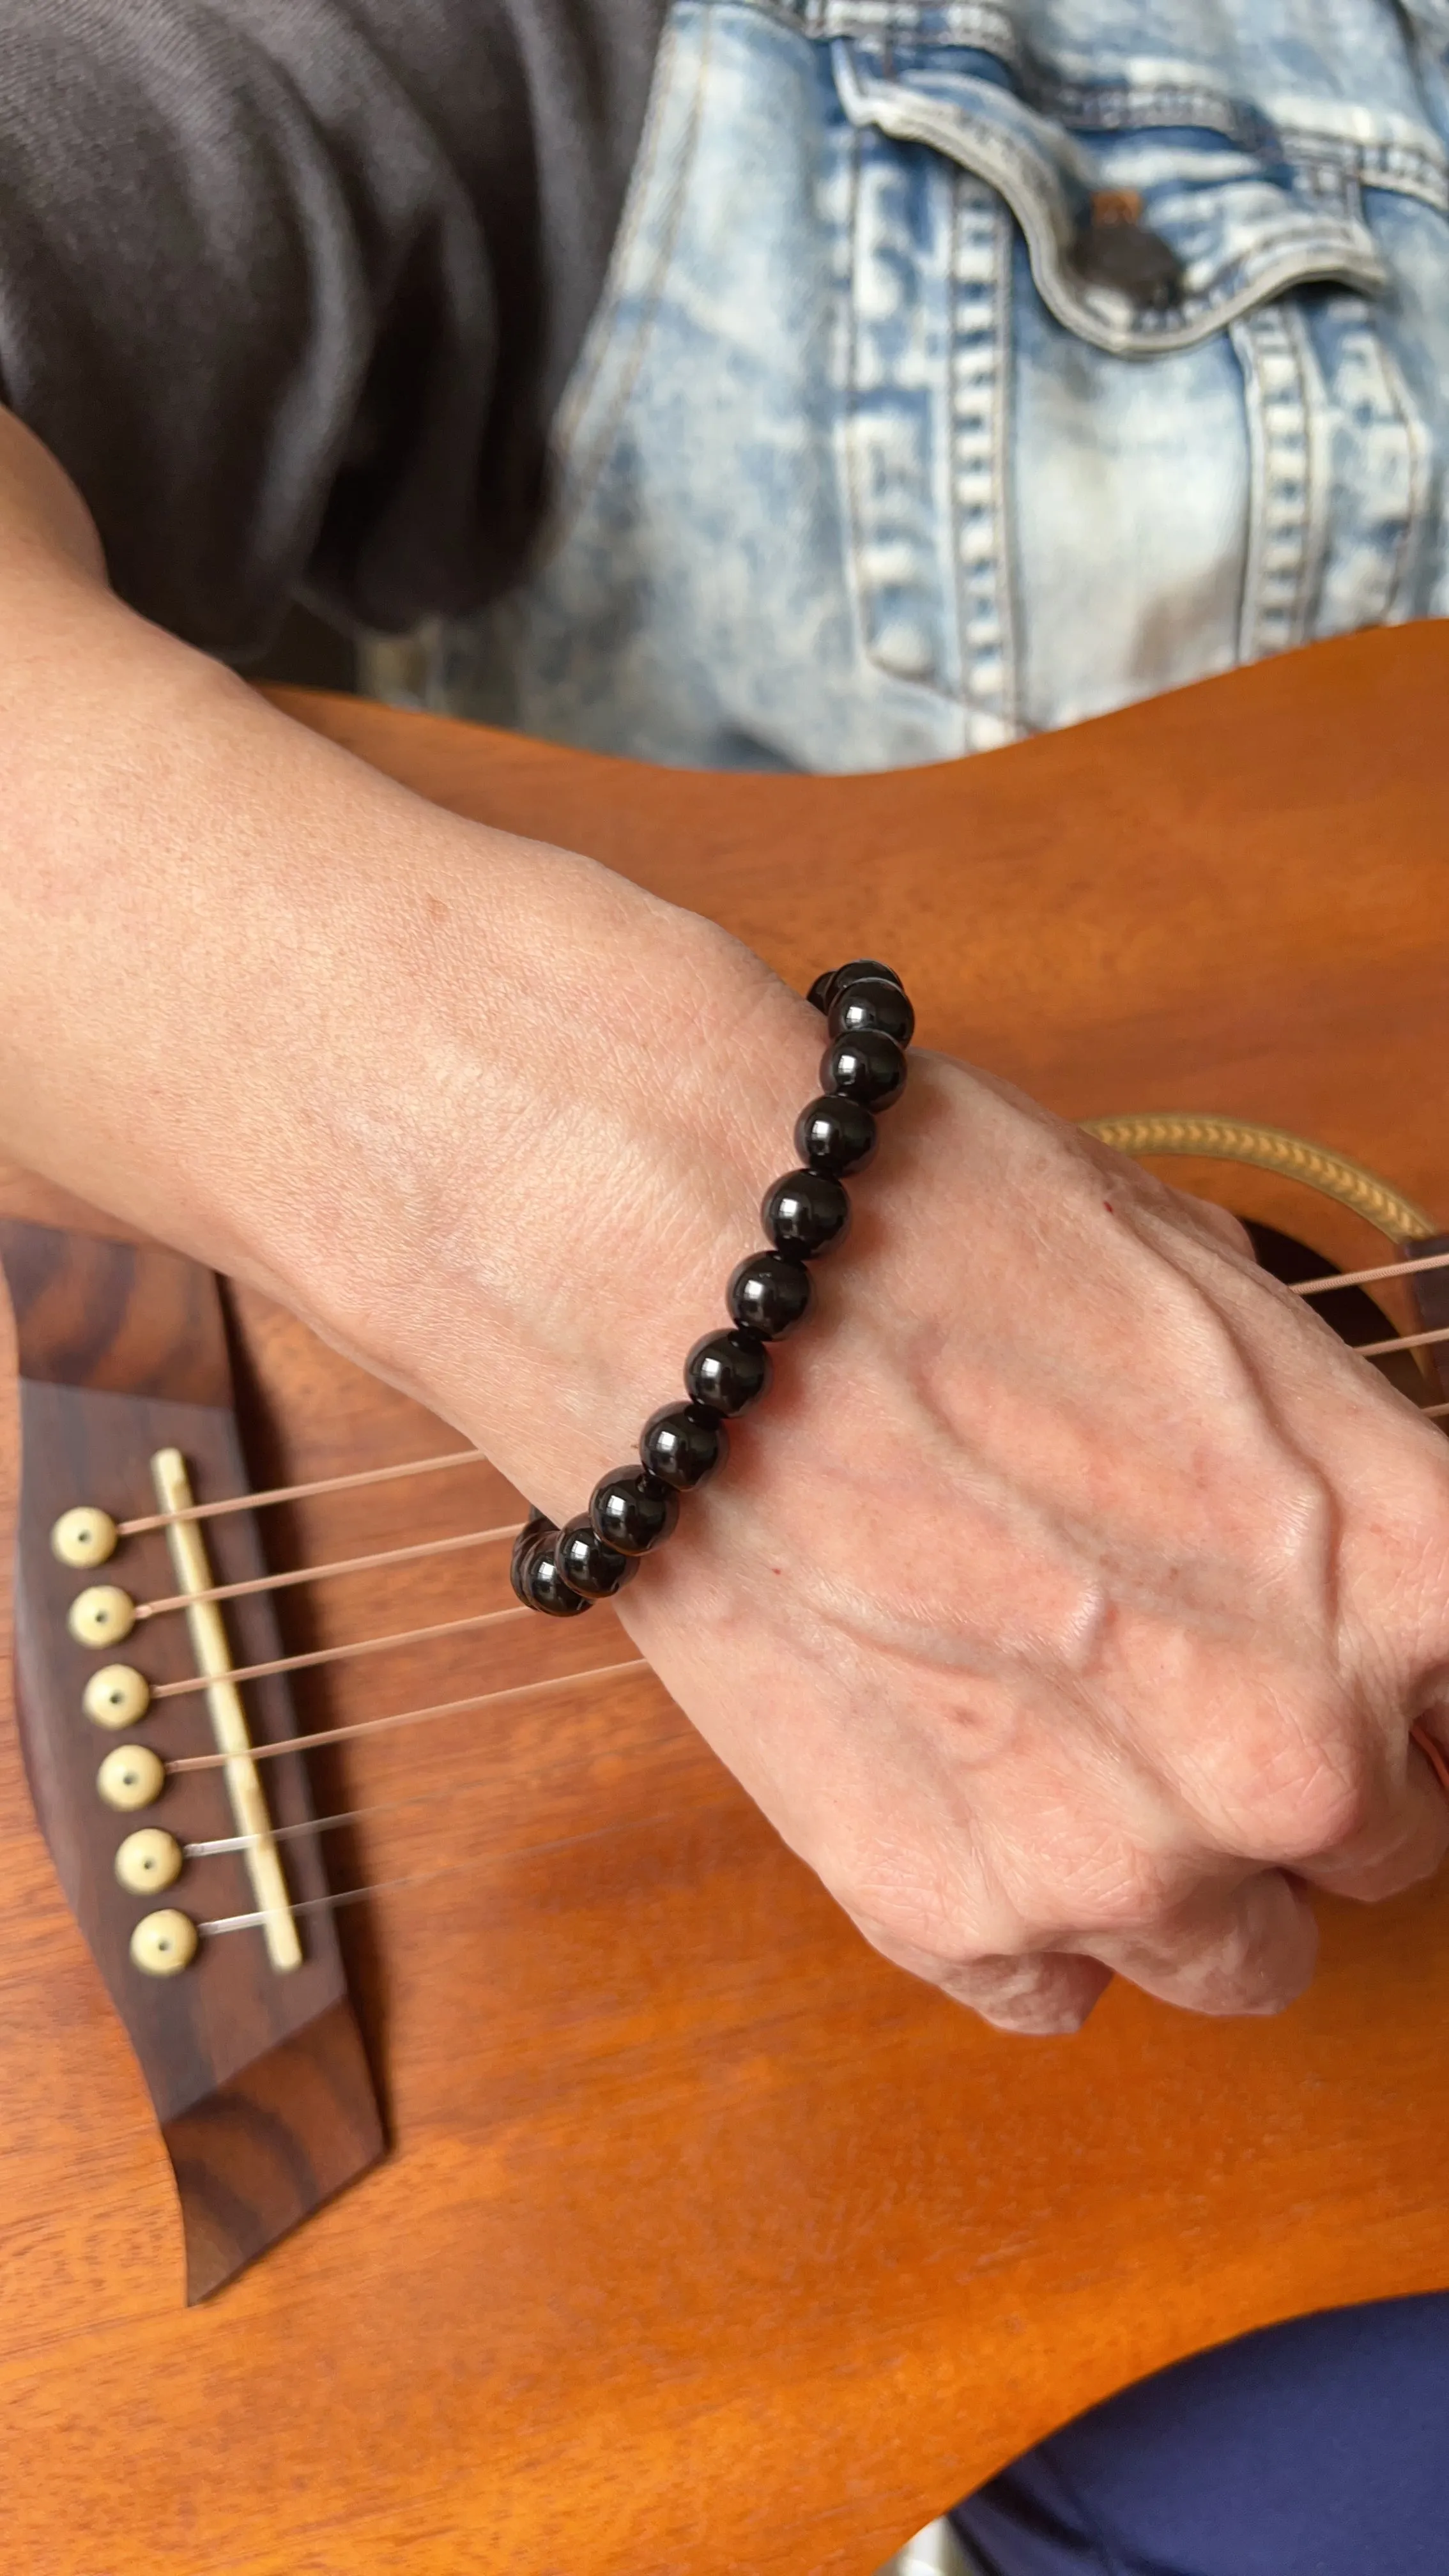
706, 2241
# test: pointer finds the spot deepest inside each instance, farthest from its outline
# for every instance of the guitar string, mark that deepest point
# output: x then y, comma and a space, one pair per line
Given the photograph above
339, 1654
377, 1887
448, 1869
225, 1845
416, 1636
418, 1716
1367, 1278
337, 1897
301, 1493
408, 1716
138, 1527
258, 1583
1400, 1342
319, 1573
495, 1618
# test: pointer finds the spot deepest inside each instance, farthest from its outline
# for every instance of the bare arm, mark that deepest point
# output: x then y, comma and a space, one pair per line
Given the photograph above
1050, 1653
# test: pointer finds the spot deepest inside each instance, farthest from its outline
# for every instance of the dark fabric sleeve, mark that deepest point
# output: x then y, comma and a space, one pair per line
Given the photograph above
290, 286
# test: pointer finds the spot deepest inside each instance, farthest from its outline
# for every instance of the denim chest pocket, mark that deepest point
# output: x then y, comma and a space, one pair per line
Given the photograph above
1240, 225
867, 459
1150, 479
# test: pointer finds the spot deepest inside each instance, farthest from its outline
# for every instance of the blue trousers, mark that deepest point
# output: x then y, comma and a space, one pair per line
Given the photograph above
1319, 2448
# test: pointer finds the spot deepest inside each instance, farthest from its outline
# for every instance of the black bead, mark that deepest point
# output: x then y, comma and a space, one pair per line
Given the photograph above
825, 987
589, 1564
632, 1511
835, 1136
727, 1371
806, 1213
872, 1004
537, 1576
769, 1294
682, 1444
537, 1526
869, 1068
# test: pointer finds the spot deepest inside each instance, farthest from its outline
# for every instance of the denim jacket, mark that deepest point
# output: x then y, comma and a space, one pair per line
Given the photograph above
872, 457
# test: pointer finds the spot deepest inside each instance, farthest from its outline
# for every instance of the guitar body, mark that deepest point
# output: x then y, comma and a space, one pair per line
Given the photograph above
706, 2241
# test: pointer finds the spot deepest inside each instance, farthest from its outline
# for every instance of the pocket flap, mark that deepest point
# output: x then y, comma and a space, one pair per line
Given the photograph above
1243, 225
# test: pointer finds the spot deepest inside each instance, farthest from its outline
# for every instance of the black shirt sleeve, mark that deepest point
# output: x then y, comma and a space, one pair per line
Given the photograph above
291, 287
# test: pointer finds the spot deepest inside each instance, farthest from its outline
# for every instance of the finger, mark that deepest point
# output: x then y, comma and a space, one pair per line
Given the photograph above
1039, 1991
1354, 1822
1327, 1796
1250, 1948
1046, 1995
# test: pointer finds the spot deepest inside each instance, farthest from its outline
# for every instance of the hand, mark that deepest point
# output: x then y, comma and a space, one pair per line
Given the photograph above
1068, 1603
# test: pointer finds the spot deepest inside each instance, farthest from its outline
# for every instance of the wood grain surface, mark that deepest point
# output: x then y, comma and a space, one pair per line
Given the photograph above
709, 2242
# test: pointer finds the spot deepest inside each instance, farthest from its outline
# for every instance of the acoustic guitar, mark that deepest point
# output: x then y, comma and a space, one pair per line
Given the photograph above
559, 2184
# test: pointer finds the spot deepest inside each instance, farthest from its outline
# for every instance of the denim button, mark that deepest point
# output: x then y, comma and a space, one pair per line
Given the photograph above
1115, 248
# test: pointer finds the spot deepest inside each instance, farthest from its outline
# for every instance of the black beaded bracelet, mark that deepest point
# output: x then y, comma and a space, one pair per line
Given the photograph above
806, 1213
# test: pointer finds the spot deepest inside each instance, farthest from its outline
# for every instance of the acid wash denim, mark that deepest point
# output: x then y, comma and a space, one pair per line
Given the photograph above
857, 470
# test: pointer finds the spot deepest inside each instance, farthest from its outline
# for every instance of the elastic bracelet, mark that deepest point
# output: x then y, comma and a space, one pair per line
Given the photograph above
806, 1213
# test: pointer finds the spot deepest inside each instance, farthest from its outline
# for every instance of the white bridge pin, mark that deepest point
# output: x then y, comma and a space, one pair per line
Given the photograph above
101, 1615
163, 1944
116, 1696
84, 1536
148, 1860
132, 1776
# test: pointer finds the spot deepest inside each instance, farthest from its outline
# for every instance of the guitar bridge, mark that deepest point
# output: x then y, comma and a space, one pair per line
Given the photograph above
248, 2045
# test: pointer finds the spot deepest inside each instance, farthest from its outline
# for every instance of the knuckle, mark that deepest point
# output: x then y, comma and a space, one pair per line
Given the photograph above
1313, 1804
913, 1938
1131, 1893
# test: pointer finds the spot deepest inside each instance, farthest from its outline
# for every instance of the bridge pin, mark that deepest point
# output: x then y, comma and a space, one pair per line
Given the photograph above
148, 1861
101, 1615
116, 1696
163, 1944
84, 1536
132, 1776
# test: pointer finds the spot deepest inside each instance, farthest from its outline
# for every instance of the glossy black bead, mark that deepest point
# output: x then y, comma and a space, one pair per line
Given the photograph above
769, 1294
632, 1511
868, 1067
588, 1563
682, 1444
727, 1371
825, 987
537, 1576
806, 1213
835, 1136
872, 1004
537, 1526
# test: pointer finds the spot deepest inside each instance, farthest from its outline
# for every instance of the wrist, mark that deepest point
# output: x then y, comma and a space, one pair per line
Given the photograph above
580, 1209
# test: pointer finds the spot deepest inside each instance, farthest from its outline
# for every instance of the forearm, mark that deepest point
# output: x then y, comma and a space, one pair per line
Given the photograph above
443, 1090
